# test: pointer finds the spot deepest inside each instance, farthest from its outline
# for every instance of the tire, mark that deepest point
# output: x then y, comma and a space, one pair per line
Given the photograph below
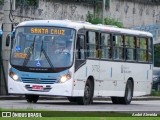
72, 99
32, 98
127, 97
88, 94
128, 94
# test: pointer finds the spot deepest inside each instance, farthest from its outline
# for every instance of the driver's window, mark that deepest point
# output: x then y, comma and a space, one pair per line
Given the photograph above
80, 51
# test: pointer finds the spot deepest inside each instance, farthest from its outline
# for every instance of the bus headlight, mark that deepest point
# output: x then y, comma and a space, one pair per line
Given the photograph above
13, 76
64, 78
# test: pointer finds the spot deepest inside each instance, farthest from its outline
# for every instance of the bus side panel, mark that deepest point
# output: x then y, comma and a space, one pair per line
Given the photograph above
142, 77
113, 78
108, 78
79, 81
91, 68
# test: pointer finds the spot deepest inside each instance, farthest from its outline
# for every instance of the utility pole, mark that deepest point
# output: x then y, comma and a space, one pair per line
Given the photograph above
5, 49
103, 10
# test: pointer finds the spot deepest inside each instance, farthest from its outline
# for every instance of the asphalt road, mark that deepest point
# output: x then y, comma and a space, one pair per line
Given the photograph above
65, 105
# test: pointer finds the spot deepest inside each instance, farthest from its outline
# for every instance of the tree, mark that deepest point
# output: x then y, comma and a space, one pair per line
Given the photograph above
157, 55
1, 2
107, 21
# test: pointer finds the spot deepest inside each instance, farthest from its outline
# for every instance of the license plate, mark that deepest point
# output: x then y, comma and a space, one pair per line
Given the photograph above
37, 87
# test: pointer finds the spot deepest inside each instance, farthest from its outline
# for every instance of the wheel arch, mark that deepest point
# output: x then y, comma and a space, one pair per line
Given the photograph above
132, 80
88, 92
91, 78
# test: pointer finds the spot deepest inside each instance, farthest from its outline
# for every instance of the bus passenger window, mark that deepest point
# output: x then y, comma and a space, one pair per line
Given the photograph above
130, 48
142, 49
80, 47
105, 46
118, 48
92, 45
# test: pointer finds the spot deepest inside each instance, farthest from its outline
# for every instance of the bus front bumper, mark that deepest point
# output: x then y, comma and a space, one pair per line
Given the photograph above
57, 89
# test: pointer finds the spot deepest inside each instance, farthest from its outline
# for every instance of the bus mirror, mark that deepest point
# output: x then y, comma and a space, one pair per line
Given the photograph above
7, 40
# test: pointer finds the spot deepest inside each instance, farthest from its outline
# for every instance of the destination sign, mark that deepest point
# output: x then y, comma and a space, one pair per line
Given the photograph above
45, 30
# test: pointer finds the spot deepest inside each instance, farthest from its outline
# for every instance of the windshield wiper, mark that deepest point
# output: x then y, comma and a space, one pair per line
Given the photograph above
46, 56
29, 52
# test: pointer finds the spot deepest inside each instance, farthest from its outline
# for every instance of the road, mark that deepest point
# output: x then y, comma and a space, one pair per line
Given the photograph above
64, 105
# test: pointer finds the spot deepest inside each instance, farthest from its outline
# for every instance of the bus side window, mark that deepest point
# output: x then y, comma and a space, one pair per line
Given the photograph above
118, 47
105, 46
80, 47
92, 44
142, 49
130, 48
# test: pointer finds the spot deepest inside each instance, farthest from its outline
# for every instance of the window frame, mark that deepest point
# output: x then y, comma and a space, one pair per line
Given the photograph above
96, 45
107, 46
123, 47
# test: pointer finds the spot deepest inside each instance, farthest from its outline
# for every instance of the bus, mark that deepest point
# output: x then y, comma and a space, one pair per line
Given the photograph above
101, 61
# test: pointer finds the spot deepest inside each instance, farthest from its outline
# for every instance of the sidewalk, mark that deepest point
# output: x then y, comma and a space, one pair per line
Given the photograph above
22, 97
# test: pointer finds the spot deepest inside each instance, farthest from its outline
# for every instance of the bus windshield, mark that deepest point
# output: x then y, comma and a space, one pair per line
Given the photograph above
43, 47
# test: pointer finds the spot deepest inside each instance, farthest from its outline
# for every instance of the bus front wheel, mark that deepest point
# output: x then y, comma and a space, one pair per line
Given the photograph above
88, 94
32, 98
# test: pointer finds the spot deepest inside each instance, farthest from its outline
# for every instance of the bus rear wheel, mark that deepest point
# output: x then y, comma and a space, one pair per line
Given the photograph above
127, 97
32, 98
88, 94
128, 93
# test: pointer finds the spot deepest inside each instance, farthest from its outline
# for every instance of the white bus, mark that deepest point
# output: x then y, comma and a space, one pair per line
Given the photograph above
80, 60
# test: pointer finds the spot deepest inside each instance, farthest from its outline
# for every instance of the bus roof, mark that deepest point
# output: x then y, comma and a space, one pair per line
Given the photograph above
82, 24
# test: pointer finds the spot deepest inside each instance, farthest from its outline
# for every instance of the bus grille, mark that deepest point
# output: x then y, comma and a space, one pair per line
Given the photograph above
38, 80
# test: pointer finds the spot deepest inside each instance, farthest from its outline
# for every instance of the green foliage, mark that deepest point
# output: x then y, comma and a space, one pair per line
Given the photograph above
24, 2
157, 55
89, 17
32, 2
27, 2
107, 21
96, 21
1, 2
112, 21
155, 93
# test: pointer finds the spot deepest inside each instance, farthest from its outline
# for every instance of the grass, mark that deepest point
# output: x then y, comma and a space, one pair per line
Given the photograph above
155, 93
71, 115
86, 118
45, 113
